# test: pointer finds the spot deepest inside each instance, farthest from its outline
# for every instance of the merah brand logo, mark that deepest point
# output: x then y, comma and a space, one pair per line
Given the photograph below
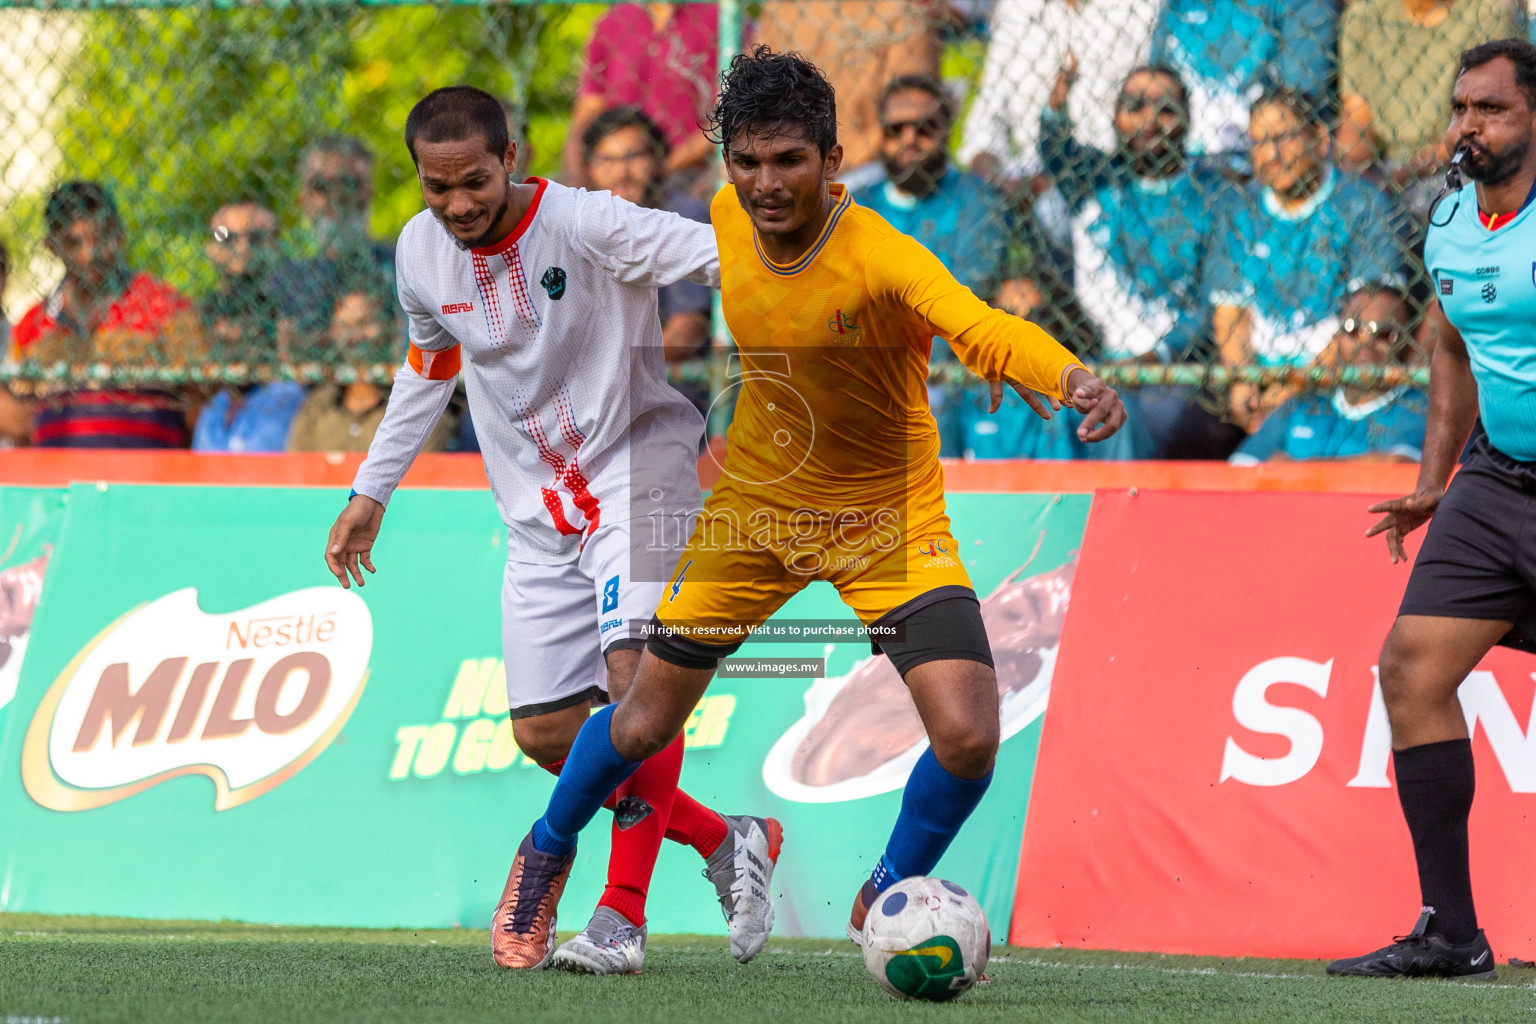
459, 307
247, 698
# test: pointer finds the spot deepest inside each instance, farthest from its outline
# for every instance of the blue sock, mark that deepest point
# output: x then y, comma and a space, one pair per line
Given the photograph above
933, 807
593, 770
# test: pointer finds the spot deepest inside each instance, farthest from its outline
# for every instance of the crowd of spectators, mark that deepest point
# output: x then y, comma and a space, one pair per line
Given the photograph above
1156, 182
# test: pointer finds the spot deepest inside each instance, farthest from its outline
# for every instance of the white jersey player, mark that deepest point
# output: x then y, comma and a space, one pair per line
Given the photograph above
544, 298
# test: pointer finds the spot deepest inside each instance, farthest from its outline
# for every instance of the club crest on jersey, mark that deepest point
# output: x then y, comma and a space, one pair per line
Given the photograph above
1448, 285
553, 282
841, 323
932, 548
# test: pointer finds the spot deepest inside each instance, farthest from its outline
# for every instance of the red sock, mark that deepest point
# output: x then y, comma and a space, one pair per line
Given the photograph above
696, 825
691, 823
632, 858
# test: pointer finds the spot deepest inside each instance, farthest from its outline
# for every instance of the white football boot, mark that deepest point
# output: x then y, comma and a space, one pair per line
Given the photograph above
742, 871
609, 944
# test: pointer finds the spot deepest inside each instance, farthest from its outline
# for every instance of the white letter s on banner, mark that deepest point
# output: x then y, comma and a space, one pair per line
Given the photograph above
1253, 711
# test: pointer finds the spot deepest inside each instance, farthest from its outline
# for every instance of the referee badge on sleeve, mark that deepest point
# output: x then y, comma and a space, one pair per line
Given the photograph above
1448, 285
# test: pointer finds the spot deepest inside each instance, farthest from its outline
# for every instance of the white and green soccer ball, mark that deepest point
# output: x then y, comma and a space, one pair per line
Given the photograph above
926, 938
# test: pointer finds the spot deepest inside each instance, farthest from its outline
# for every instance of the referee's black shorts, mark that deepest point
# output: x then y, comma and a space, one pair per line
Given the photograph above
1479, 556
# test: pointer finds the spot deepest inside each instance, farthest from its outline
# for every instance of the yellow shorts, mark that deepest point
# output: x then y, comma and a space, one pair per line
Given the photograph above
751, 551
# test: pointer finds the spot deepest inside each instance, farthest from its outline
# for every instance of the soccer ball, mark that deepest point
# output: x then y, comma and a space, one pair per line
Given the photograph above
926, 938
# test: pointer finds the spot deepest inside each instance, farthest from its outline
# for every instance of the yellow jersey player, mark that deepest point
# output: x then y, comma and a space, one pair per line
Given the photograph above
831, 472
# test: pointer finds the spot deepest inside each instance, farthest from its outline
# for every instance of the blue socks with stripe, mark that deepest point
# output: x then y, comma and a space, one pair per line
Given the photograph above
592, 771
933, 807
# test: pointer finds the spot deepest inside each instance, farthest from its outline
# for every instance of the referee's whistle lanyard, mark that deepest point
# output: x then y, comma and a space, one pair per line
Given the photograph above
1453, 186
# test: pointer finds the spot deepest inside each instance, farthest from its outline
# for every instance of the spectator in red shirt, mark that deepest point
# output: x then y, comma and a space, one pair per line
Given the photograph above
104, 312
15, 414
661, 58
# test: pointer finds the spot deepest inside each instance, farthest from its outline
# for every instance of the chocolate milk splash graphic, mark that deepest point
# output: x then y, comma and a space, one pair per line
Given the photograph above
871, 720
20, 587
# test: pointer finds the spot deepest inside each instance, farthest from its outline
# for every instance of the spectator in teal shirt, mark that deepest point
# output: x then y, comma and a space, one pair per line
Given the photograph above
1147, 221
1228, 51
1304, 236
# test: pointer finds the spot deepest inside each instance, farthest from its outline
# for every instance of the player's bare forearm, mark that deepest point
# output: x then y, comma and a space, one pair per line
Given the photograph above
1452, 410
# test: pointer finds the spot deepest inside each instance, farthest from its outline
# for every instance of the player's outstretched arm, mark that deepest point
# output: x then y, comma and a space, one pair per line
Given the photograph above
997, 346
639, 246
349, 549
1452, 411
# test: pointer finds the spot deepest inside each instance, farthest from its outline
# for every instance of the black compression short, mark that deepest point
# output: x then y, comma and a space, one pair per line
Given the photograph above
1479, 555
947, 629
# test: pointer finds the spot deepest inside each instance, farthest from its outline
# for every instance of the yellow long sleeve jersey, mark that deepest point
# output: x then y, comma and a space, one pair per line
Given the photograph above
831, 401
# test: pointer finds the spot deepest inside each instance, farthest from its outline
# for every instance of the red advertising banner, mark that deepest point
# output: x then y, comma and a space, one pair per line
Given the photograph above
1215, 770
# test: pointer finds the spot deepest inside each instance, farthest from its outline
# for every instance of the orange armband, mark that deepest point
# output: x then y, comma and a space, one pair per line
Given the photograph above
443, 365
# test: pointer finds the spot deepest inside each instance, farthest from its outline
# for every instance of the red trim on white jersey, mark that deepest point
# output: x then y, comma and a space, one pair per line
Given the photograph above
521, 226
485, 281
567, 473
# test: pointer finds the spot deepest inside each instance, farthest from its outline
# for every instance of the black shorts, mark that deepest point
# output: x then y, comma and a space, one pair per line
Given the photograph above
1479, 556
946, 626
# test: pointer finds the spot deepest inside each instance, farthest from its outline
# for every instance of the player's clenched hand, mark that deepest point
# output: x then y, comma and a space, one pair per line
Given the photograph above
351, 540
1103, 412
1403, 516
1032, 398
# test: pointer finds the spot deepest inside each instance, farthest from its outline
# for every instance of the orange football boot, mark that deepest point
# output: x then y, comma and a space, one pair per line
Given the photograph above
523, 928
861, 904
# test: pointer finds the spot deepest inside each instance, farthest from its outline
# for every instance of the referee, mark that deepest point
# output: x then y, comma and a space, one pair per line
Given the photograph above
1474, 584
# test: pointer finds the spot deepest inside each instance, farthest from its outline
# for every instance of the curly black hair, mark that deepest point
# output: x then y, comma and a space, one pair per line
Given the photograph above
765, 93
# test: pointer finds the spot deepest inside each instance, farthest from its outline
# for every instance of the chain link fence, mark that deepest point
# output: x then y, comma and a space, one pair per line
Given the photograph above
1219, 204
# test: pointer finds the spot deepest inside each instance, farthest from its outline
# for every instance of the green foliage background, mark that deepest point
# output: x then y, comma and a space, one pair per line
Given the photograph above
180, 110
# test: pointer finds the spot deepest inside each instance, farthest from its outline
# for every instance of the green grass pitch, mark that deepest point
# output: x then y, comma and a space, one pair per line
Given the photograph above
81, 969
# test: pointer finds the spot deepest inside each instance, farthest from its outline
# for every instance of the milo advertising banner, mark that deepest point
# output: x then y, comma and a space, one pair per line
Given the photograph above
205, 725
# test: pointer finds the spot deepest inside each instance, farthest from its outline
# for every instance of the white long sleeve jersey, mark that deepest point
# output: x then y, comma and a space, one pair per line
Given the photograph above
556, 332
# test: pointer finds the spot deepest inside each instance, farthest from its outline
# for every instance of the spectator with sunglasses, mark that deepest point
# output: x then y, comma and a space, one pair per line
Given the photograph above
1146, 224
1304, 235
239, 323
957, 216
990, 249
336, 196
1355, 422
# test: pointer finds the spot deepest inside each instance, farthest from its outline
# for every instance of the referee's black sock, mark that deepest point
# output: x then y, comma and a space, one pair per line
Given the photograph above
1435, 785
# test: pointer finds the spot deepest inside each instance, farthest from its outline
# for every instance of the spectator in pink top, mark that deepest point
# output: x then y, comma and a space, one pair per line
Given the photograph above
659, 57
